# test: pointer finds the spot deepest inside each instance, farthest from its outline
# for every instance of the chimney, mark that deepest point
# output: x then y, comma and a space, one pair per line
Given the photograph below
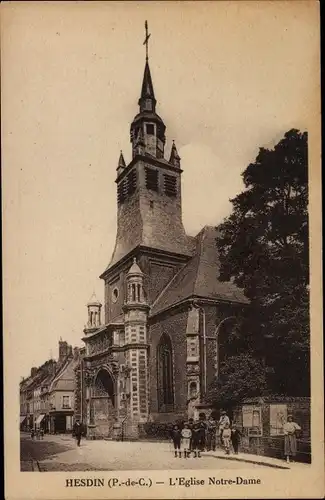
63, 349
33, 371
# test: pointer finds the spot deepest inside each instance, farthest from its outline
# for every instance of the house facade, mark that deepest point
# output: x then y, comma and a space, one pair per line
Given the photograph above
47, 395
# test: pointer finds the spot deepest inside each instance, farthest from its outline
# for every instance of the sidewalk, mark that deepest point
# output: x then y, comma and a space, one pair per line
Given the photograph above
257, 459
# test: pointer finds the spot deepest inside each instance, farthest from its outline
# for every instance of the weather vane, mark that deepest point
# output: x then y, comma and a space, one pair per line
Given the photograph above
146, 39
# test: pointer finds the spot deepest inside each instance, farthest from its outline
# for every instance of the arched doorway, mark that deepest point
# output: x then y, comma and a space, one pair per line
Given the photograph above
103, 403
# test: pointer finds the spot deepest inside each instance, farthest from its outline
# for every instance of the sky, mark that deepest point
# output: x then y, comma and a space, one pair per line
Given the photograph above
228, 77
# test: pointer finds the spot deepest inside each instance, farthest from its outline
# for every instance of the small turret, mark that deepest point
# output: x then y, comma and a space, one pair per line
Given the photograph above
174, 156
94, 310
121, 164
134, 280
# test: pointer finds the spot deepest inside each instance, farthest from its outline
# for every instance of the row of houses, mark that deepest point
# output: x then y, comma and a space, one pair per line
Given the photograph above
47, 396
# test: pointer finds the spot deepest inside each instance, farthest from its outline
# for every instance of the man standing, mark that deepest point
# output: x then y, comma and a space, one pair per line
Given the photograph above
211, 434
223, 421
77, 429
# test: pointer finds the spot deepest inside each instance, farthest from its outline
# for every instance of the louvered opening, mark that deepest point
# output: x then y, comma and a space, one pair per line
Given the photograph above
151, 179
170, 186
122, 190
132, 182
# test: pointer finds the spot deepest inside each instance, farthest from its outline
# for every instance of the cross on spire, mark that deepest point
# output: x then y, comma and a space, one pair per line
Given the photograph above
146, 41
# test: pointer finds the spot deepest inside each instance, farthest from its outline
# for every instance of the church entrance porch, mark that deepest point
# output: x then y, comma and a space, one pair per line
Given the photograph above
103, 411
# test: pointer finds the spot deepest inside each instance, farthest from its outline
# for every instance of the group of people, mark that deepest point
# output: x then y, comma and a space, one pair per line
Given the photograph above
195, 437
38, 433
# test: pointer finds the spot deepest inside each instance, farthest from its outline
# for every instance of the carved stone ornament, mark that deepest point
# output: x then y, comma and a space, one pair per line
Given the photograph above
89, 377
192, 369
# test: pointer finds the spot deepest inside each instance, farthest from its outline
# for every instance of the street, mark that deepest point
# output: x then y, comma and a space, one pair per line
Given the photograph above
61, 453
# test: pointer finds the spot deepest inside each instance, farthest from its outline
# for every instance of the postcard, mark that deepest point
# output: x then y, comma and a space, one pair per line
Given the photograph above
161, 174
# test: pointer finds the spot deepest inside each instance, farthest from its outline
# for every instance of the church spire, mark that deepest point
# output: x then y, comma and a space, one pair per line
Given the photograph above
147, 101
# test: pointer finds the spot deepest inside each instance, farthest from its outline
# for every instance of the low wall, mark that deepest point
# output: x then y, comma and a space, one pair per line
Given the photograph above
265, 436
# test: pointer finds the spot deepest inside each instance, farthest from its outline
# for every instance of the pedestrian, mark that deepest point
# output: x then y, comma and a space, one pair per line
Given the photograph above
42, 433
226, 435
190, 426
176, 437
235, 438
224, 419
211, 434
186, 439
201, 437
32, 433
77, 429
290, 429
37, 434
196, 439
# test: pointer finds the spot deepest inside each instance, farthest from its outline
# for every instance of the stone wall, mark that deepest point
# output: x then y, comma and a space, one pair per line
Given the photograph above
175, 326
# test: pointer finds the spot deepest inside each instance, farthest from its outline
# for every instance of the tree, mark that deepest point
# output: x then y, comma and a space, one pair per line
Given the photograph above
240, 377
263, 247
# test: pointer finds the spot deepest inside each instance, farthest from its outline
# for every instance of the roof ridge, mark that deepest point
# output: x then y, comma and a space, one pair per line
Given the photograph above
202, 234
60, 371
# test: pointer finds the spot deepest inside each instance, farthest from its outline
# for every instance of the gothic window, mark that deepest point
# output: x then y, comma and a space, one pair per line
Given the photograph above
151, 179
104, 386
170, 185
133, 292
165, 374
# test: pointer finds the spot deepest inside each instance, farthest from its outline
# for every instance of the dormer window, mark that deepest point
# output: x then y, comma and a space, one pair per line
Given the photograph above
150, 129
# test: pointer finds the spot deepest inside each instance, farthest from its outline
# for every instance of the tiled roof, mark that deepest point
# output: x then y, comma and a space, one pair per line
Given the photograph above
199, 277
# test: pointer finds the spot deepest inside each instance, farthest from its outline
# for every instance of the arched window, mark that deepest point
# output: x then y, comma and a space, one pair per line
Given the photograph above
165, 380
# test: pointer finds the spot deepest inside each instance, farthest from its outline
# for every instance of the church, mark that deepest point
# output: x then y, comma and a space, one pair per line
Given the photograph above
154, 347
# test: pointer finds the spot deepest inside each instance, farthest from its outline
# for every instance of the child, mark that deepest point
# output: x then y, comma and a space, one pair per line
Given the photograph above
186, 439
226, 434
176, 437
196, 439
235, 438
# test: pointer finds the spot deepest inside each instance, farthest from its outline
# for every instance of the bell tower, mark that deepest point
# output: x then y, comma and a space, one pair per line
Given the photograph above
149, 201
149, 206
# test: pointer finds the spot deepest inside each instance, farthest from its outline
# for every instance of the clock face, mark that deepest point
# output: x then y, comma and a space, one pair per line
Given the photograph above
115, 294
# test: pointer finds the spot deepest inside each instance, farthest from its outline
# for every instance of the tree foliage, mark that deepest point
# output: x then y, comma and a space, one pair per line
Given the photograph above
263, 247
240, 377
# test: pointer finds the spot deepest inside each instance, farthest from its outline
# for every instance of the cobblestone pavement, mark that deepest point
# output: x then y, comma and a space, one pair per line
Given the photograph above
60, 453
